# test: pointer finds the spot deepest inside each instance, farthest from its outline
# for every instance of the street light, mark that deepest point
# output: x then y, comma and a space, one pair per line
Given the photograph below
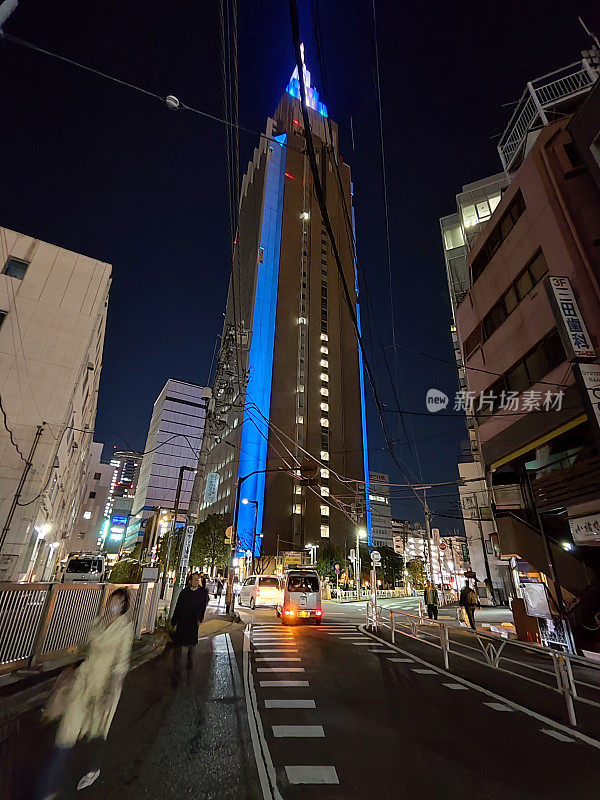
313, 552
360, 534
247, 502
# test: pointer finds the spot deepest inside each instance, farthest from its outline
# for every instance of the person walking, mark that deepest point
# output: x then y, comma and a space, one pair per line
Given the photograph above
219, 590
86, 701
431, 598
188, 614
469, 601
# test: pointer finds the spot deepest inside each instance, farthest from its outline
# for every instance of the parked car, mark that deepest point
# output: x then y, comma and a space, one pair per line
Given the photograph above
260, 590
300, 598
85, 568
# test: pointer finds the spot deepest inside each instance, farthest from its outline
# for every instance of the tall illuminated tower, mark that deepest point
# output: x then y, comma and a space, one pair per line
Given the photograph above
303, 405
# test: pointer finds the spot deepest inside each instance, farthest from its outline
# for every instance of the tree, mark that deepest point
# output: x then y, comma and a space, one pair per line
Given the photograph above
392, 566
209, 549
127, 570
327, 558
416, 572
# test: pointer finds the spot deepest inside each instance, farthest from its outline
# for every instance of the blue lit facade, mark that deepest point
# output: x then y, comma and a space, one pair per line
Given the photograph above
255, 431
363, 407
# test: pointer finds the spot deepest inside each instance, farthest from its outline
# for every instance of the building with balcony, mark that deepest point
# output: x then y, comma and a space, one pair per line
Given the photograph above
53, 306
526, 326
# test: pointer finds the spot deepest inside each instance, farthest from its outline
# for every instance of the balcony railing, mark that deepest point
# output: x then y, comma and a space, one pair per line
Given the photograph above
540, 95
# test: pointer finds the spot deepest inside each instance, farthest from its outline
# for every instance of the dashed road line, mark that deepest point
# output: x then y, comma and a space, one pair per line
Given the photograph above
498, 706
401, 660
276, 650
557, 735
301, 774
298, 731
277, 658
457, 686
425, 671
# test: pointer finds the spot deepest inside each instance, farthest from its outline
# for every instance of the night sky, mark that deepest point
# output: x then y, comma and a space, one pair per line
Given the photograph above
111, 173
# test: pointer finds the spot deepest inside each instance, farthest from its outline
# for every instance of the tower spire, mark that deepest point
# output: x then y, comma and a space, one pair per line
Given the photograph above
312, 95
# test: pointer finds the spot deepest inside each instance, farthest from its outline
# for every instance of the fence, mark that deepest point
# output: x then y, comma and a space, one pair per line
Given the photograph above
575, 679
43, 621
348, 595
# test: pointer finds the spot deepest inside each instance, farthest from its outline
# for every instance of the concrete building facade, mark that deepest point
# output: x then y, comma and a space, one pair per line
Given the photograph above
53, 306
89, 528
289, 415
528, 329
381, 511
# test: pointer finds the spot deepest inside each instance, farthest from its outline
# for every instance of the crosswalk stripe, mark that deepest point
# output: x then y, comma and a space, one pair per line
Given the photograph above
280, 669
290, 704
298, 731
403, 661
302, 774
498, 706
277, 658
557, 735
282, 684
457, 686
425, 671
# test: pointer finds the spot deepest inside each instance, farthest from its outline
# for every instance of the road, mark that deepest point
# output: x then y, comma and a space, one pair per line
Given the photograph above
313, 712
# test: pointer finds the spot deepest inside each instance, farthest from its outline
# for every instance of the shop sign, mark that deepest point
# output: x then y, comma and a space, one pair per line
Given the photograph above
586, 530
572, 329
211, 487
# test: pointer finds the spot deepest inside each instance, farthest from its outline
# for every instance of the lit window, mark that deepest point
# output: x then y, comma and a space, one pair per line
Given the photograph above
325, 350
324, 455
297, 508
324, 362
297, 490
324, 510
324, 472
300, 419
324, 531
301, 387
87, 514
302, 320
324, 376
324, 406
324, 491
324, 422
324, 337
324, 391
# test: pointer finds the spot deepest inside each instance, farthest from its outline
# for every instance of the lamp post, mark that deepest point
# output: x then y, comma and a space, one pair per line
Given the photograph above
246, 502
313, 553
360, 534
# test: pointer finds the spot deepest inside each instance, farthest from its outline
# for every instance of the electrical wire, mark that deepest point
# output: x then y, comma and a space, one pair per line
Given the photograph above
10, 433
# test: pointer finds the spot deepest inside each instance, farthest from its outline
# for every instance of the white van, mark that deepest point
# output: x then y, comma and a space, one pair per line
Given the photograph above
260, 590
84, 568
300, 596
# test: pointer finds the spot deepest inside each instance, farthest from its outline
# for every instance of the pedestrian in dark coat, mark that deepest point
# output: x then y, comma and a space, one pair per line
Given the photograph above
469, 601
219, 590
189, 613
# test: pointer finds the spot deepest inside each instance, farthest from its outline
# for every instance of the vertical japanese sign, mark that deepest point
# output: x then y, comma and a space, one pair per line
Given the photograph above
573, 332
211, 487
185, 554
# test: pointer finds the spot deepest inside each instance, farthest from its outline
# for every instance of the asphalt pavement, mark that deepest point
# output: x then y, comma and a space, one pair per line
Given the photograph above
310, 712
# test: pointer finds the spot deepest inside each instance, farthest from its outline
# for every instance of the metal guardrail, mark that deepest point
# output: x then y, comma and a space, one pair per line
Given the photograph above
575, 678
43, 621
346, 596
541, 94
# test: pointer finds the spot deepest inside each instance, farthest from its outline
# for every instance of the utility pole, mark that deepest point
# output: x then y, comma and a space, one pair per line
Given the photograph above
428, 534
483, 547
173, 527
21, 484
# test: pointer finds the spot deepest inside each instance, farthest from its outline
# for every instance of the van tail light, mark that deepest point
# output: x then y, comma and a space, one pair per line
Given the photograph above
289, 612
318, 612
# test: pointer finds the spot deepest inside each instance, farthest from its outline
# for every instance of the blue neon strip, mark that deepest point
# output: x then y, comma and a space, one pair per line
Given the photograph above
363, 409
255, 431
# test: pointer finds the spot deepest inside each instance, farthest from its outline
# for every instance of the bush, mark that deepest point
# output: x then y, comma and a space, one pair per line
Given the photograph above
127, 570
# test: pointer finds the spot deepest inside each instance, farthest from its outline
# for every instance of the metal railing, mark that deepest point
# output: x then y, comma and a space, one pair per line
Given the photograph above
44, 621
347, 595
542, 94
574, 678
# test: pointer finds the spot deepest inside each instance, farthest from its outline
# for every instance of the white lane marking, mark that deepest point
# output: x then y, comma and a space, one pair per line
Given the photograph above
276, 650
498, 706
298, 731
285, 684
262, 755
557, 735
457, 686
300, 774
290, 704
401, 660
363, 644
351, 638
425, 671
280, 669
515, 706
277, 658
